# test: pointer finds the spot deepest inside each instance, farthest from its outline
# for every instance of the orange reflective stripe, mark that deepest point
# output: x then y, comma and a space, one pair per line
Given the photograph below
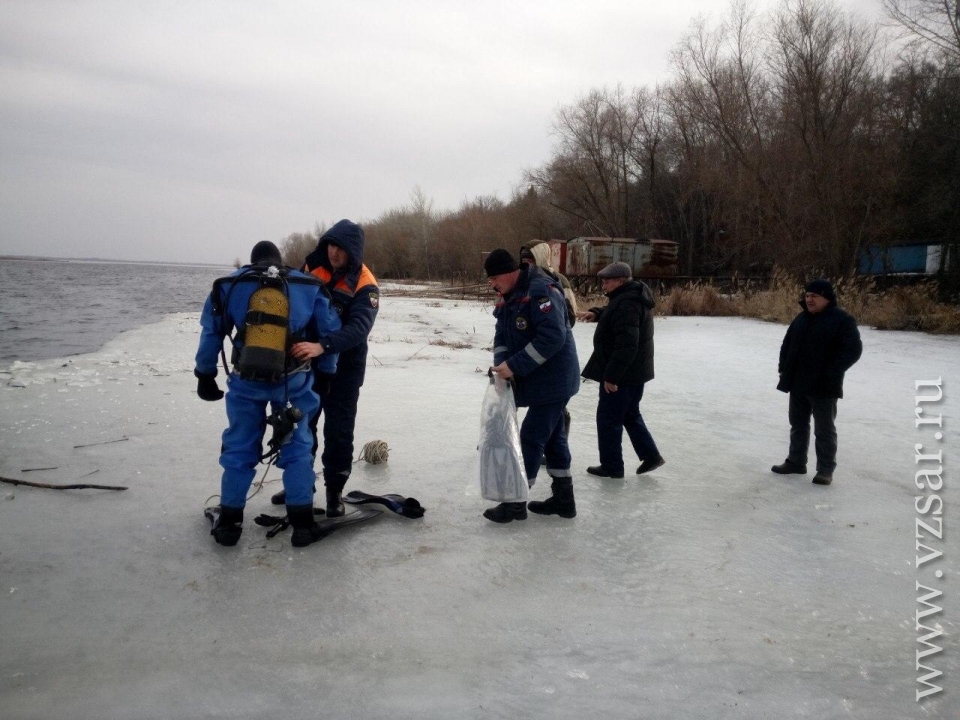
366, 278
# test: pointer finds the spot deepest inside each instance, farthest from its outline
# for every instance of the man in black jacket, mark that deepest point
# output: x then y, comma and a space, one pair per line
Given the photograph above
622, 362
821, 344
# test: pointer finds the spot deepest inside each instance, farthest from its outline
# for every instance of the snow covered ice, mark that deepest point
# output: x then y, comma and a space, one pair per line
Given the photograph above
710, 588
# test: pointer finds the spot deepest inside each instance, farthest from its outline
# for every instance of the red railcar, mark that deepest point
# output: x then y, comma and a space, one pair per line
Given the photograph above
584, 257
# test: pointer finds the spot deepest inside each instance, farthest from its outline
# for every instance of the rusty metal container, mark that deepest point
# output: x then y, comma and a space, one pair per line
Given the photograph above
558, 255
586, 256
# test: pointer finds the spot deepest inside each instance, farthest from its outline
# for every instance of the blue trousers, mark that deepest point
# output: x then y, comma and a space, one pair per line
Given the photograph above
247, 402
616, 412
542, 433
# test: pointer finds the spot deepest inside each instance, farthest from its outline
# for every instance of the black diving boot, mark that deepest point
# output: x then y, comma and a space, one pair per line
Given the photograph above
303, 524
228, 527
561, 502
506, 512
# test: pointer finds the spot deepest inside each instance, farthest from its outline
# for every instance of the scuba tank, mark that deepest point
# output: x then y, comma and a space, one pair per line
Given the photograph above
263, 356
262, 341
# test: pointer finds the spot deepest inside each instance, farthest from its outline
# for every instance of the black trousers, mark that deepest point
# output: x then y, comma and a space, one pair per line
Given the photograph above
824, 412
617, 412
338, 404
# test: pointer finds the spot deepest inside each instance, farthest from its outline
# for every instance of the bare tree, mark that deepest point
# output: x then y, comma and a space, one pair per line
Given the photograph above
934, 22
593, 173
296, 246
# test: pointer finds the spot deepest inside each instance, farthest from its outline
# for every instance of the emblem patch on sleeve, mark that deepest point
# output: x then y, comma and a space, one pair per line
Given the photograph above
544, 304
521, 322
374, 300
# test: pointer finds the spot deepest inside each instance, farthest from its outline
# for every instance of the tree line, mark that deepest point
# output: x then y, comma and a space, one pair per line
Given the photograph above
795, 138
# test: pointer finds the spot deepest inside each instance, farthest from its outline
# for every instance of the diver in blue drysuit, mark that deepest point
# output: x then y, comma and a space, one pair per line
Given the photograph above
311, 315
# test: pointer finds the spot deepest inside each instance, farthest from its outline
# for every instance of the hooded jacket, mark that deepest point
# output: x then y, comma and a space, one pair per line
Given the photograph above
540, 250
623, 341
356, 299
817, 350
534, 338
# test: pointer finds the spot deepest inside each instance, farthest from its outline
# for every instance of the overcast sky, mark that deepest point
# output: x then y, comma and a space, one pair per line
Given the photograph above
187, 131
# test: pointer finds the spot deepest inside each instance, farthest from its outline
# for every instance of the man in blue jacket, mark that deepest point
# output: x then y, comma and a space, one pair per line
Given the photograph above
338, 264
251, 385
533, 346
821, 344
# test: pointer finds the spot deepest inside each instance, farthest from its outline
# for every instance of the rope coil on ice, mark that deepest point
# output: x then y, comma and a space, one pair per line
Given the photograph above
375, 452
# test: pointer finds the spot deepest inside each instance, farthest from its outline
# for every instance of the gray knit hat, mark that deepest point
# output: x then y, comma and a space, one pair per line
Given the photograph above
615, 270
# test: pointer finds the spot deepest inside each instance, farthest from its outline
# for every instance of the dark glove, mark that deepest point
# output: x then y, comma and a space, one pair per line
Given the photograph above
322, 383
207, 387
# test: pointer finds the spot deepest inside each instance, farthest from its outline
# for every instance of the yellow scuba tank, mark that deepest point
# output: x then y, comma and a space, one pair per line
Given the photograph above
263, 356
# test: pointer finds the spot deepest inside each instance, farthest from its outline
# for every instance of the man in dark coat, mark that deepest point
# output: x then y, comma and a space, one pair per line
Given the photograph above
338, 264
534, 346
622, 362
821, 344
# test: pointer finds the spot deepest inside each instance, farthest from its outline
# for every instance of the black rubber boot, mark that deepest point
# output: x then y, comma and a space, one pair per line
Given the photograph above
280, 498
506, 512
303, 524
334, 482
561, 502
334, 503
229, 526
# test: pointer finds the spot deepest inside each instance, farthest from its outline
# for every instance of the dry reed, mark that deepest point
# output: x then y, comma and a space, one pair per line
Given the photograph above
913, 307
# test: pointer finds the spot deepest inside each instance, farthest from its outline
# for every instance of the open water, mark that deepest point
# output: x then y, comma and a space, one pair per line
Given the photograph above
56, 308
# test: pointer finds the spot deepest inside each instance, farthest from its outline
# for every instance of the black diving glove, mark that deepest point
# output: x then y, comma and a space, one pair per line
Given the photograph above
207, 387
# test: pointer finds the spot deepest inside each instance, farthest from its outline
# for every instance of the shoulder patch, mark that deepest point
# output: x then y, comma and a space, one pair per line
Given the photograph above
374, 300
544, 304
521, 322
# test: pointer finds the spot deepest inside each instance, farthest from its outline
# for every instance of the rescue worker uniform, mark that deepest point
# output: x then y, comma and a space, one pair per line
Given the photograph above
356, 300
533, 337
311, 316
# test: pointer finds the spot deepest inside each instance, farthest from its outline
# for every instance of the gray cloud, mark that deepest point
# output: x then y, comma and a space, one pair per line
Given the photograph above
187, 131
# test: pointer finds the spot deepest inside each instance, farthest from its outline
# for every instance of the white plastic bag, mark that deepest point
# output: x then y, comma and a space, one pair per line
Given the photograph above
502, 477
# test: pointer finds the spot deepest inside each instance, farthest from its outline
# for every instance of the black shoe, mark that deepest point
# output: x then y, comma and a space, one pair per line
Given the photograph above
789, 468
506, 512
601, 471
561, 502
823, 478
229, 526
334, 504
650, 464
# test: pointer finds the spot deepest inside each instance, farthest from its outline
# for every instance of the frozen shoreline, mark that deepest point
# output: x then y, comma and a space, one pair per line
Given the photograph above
710, 589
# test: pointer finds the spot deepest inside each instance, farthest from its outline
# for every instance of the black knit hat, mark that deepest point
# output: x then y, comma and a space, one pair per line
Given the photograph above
265, 253
821, 287
499, 262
